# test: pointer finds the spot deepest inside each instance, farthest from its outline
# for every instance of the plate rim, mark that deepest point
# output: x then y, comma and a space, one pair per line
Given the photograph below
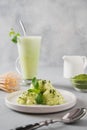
15, 105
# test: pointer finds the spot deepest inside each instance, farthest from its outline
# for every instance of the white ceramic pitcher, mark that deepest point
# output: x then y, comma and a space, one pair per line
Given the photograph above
74, 65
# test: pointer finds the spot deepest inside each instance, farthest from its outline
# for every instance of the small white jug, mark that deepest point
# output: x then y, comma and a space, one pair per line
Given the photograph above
74, 65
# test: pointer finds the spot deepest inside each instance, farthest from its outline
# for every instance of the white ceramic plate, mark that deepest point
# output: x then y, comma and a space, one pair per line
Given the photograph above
11, 102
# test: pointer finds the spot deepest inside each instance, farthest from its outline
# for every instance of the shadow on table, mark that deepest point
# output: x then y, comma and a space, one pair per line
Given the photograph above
80, 123
55, 126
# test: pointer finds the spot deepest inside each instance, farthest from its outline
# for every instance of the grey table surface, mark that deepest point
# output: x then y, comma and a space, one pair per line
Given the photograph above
10, 119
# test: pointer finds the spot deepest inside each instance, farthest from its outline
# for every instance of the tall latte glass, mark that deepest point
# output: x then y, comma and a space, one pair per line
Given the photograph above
29, 50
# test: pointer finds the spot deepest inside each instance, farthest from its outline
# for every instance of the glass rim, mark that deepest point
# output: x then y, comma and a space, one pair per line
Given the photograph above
32, 36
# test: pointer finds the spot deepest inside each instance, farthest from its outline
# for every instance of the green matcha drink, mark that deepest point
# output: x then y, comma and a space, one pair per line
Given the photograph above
29, 49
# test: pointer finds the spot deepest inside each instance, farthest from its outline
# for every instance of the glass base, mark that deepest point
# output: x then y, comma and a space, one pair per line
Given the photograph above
26, 82
81, 90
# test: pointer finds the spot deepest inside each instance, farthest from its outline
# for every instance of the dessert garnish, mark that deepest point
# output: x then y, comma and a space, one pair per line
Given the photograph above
41, 92
14, 36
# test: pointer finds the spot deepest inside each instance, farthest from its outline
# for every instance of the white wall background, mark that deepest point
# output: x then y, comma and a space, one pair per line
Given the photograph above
61, 23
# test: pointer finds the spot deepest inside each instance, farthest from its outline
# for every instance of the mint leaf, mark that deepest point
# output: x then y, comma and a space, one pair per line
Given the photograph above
33, 90
39, 98
35, 83
14, 39
12, 32
14, 36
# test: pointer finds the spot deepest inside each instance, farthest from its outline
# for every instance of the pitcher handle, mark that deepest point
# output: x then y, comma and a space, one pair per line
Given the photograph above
85, 61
